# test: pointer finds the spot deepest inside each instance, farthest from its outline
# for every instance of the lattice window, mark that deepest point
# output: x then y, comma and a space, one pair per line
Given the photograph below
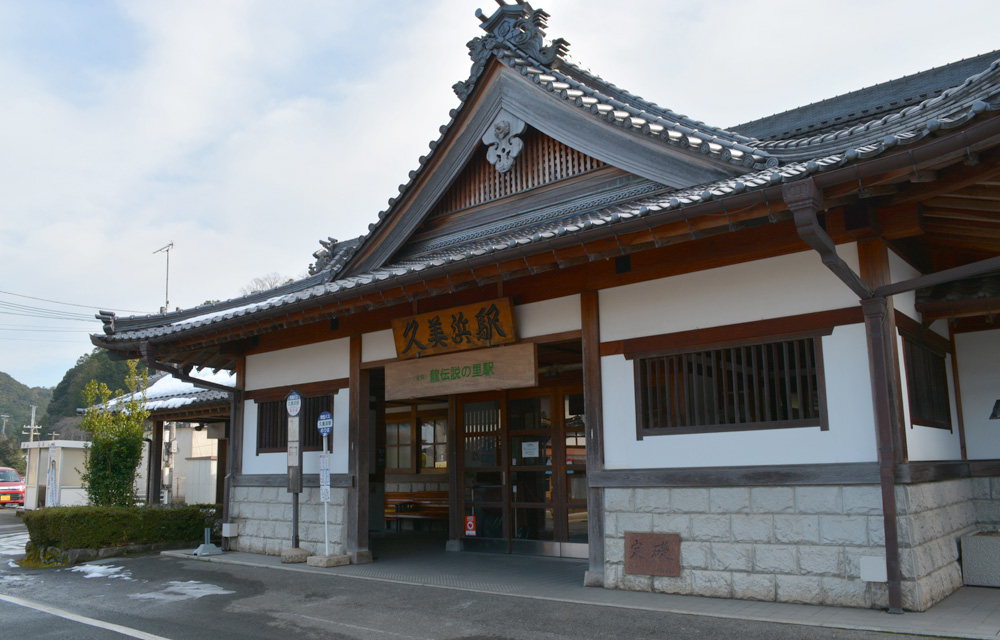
762, 385
926, 384
543, 161
272, 424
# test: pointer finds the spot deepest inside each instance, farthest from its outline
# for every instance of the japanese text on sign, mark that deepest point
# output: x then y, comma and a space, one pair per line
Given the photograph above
471, 326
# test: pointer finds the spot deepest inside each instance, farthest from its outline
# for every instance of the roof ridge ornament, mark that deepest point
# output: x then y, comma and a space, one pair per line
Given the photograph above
515, 26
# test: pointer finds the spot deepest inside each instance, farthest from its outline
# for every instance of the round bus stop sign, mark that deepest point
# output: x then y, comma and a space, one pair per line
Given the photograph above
293, 403
325, 423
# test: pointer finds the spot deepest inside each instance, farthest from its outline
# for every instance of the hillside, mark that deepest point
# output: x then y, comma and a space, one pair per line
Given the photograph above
67, 397
16, 400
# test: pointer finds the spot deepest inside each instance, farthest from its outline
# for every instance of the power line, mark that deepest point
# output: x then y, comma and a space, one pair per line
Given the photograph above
34, 340
18, 327
70, 304
47, 317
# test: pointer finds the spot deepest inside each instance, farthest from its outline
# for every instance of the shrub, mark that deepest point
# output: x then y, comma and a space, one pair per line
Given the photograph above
115, 431
98, 527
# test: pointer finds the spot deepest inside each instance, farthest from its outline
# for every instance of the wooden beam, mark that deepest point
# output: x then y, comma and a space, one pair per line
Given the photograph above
741, 476
950, 180
594, 421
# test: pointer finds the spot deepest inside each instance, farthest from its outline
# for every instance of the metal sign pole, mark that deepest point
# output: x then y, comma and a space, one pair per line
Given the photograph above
326, 503
325, 426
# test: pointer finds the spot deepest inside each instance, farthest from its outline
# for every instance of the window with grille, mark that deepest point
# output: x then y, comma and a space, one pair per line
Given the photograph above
927, 385
272, 424
763, 385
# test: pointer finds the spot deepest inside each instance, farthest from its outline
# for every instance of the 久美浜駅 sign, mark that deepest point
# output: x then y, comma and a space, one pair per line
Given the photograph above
509, 367
482, 324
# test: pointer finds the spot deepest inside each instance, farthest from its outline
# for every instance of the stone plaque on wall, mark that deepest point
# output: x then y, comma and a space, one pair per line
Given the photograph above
653, 554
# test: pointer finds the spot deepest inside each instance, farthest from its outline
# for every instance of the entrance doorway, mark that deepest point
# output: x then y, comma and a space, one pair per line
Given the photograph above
523, 475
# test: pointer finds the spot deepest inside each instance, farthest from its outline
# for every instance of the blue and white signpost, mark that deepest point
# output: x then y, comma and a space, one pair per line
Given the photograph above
325, 426
293, 405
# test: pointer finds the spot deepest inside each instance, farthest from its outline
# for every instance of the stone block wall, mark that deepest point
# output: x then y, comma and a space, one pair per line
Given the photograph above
264, 518
932, 517
787, 544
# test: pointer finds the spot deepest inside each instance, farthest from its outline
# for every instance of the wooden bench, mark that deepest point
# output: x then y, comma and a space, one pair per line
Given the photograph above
416, 505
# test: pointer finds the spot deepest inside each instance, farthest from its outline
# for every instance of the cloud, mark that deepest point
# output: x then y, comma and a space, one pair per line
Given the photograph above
246, 131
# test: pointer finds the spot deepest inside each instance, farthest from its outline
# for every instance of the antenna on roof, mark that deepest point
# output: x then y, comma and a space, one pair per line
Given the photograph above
166, 295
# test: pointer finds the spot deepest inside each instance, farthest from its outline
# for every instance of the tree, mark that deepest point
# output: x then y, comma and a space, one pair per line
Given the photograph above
68, 395
10, 454
116, 443
265, 282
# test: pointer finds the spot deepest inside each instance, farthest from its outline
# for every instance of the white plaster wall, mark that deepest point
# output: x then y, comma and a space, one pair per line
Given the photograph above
550, 316
309, 363
773, 288
377, 345
851, 437
900, 270
277, 463
979, 378
928, 443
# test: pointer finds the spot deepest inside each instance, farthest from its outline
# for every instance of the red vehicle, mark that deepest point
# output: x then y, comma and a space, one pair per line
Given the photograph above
11, 487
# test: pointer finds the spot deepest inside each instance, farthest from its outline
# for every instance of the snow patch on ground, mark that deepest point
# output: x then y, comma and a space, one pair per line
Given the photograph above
102, 571
176, 591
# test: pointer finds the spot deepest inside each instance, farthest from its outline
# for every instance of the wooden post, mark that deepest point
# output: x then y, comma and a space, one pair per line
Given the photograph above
456, 531
594, 421
882, 401
357, 496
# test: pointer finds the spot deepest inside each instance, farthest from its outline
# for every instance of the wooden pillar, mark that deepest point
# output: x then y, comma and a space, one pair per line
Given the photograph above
873, 257
883, 362
232, 446
357, 496
156, 463
876, 328
456, 532
594, 421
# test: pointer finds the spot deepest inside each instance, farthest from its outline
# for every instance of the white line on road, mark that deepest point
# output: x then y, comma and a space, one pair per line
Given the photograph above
100, 624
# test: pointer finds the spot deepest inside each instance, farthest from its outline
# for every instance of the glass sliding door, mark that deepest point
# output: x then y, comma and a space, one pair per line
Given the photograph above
483, 473
523, 471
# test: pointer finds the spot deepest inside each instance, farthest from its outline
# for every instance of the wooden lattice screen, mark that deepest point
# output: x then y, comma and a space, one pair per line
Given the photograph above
542, 161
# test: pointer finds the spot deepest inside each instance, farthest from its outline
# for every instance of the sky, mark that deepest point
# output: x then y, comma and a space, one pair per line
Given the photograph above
245, 131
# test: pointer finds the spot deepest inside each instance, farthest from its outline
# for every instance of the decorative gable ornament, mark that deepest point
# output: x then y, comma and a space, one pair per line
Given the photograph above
504, 145
516, 26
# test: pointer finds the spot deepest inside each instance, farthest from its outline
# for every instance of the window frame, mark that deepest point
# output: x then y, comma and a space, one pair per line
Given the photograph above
415, 418
274, 400
821, 421
911, 342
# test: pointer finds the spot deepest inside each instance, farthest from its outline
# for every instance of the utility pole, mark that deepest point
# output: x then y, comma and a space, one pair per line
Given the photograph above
166, 295
32, 428
4, 417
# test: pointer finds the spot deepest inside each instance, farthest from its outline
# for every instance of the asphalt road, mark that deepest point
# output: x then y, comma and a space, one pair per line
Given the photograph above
9, 522
156, 597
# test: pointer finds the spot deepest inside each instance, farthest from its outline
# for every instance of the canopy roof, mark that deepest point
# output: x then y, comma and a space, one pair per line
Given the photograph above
696, 180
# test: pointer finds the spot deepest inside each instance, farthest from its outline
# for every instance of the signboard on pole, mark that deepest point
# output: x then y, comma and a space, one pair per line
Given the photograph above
52, 490
325, 423
324, 477
293, 404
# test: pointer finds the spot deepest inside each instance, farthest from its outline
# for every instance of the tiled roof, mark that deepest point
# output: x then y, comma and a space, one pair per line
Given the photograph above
865, 105
167, 393
515, 39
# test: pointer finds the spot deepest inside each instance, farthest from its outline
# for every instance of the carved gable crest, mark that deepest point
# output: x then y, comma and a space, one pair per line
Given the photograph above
504, 145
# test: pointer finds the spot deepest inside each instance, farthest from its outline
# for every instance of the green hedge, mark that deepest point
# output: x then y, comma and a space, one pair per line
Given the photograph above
98, 527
